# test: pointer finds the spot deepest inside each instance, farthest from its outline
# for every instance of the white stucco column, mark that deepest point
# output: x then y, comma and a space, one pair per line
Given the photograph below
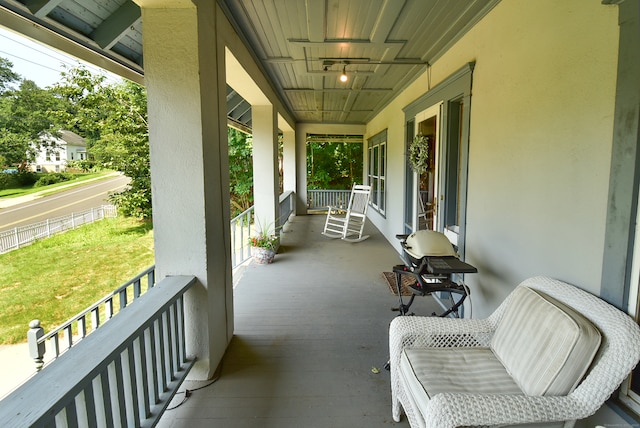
265, 165
289, 169
301, 174
185, 80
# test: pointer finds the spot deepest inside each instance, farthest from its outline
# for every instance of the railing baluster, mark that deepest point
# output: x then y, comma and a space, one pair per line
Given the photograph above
119, 390
183, 341
123, 298
71, 415
143, 374
131, 387
107, 402
68, 336
163, 354
109, 309
173, 345
82, 327
95, 318
136, 289
151, 340
87, 413
151, 279
56, 344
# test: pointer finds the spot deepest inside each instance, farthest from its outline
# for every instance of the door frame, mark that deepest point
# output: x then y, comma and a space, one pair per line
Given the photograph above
452, 92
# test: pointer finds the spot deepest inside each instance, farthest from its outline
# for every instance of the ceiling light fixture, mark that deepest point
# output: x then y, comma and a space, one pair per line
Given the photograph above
343, 76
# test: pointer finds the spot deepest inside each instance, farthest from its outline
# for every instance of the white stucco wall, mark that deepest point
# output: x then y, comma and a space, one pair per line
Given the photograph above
540, 143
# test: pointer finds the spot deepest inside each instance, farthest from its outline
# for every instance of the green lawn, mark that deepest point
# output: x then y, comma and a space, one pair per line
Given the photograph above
26, 190
54, 279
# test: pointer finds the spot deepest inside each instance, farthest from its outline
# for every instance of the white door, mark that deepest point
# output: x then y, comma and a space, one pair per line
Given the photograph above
428, 184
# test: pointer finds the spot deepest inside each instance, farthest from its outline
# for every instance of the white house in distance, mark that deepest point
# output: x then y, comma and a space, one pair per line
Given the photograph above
54, 157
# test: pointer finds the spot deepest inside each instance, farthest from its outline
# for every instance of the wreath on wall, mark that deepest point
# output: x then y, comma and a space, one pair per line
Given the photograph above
419, 153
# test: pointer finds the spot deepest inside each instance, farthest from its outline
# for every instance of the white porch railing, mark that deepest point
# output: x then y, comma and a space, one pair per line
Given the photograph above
287, 207
122, 375
62, 337
25, 235
240, 234
320, 199
242, 227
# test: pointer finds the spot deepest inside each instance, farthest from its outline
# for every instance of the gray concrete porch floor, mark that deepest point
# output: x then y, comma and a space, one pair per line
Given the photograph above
310, 330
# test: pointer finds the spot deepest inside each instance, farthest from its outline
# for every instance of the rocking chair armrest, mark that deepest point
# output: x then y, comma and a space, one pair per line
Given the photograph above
450, 410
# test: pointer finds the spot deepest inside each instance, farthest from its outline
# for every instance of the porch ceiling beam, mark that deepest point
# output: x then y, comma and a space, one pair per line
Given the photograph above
114, 27
337, 90
315, 20
333, 111
354, 61
41, 8
386, 20
338, 43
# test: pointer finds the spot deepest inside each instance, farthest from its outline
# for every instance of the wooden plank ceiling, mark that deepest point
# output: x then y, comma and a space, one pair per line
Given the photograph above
302, 45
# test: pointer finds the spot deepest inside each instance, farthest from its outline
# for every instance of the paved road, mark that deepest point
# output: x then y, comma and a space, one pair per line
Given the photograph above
76, 199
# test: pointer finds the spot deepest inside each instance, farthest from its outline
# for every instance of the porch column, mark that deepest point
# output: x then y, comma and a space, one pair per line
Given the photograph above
185, 81
301, 174
289, 160
265, 165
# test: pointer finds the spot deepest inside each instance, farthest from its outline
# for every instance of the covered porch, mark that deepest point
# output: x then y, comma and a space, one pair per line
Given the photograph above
547, 181
310, 330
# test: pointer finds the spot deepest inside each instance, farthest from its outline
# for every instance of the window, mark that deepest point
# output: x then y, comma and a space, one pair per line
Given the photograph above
376, 172
58, 157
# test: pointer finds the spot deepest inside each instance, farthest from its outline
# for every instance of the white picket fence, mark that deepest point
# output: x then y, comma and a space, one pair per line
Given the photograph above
25, 235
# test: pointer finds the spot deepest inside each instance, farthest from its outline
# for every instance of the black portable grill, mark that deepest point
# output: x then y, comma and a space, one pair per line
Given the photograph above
431, 262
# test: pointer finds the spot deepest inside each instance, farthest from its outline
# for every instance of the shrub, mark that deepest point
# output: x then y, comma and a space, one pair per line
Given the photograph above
52, 178
5, 180
25, 178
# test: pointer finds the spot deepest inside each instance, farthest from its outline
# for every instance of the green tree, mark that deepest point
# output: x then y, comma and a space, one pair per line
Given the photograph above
113, 119
333, 165
7, 76
240, 171
27, 123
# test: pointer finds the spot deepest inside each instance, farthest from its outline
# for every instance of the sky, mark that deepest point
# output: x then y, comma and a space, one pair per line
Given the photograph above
37, 62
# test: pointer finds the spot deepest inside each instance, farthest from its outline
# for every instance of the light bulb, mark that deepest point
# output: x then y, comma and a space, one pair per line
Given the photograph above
343, 76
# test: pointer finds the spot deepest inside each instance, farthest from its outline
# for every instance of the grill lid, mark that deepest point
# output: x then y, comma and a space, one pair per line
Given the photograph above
428, 243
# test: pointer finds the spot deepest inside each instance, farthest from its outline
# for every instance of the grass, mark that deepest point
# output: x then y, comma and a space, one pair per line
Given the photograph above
14, 192
56, 278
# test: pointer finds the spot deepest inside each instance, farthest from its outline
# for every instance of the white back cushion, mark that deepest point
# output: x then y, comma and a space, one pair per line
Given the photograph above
545, 345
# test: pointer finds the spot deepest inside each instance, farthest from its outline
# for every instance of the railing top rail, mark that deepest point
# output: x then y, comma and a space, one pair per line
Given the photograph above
285, 195
65, 379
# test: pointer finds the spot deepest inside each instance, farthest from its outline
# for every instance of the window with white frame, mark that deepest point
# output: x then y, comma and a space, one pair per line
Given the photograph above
376, 171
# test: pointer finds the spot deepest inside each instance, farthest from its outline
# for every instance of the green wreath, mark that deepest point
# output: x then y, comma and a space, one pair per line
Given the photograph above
419, 153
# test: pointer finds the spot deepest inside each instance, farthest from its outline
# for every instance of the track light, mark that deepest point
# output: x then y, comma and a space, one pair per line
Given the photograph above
343, 76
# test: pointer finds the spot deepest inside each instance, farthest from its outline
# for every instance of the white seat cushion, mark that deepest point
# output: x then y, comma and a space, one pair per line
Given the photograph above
545, 345
429, 371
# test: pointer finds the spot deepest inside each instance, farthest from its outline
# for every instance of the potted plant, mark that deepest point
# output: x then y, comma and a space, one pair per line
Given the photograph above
264, 246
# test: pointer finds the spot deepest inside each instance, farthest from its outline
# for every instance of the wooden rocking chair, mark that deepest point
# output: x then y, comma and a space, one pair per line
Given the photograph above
350, 225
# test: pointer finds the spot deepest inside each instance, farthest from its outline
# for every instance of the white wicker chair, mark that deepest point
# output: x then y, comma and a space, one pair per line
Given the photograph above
618, 354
